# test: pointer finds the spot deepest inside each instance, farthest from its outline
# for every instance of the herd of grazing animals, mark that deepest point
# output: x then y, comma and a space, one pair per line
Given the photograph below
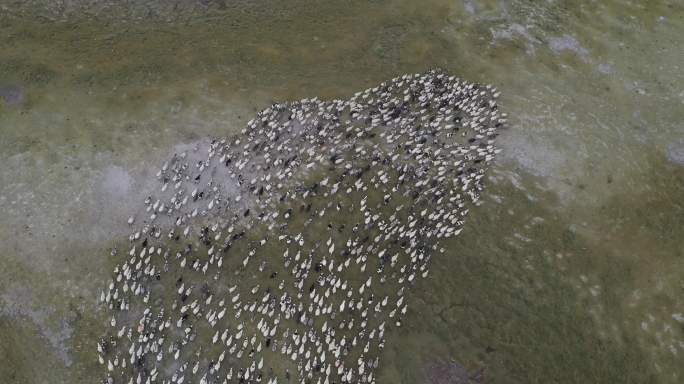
284, 254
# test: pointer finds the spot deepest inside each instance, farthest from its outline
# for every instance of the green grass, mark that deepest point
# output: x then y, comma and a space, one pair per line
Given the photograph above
511, 308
